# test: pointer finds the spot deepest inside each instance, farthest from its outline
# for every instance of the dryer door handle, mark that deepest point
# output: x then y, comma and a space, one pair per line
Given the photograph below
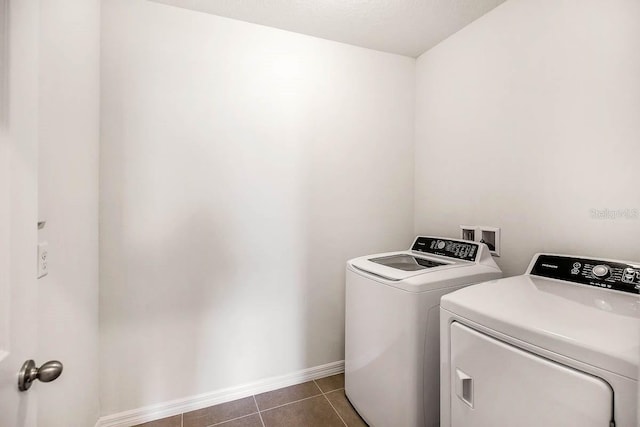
464, 387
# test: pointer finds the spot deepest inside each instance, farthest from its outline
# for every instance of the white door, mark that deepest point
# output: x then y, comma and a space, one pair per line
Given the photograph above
494, 384
18, 205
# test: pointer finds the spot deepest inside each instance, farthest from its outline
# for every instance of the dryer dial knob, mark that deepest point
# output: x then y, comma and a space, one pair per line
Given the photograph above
601, 271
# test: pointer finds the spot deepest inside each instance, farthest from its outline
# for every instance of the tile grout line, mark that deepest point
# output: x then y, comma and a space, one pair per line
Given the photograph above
259, 411
335, 410
230, 419
328, 391
331, 391
289, 403
258, 408
330, 404
322, 393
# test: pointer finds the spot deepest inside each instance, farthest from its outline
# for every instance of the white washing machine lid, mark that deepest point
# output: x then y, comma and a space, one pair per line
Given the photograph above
431, 263
600, 327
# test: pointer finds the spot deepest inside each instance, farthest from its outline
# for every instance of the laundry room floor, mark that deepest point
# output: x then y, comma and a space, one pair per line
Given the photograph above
317, 403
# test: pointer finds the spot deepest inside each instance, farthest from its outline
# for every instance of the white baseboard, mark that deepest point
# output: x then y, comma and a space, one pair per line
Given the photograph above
175, 407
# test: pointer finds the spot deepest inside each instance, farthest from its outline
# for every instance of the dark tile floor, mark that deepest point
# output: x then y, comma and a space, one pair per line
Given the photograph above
318, 403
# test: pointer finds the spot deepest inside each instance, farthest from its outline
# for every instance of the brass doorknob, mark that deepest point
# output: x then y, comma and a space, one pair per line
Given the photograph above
45, 373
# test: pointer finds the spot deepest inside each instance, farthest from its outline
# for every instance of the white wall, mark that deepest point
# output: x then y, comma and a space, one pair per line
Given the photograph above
68, 200
528, 119
241, 166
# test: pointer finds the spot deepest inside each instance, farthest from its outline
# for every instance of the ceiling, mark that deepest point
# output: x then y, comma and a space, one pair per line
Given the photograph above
405, 27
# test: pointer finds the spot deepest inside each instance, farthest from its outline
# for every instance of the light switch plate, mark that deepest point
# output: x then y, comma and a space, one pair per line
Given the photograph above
43, 259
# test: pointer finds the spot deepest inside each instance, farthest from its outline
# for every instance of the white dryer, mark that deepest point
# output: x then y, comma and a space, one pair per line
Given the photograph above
392, 326
557, 347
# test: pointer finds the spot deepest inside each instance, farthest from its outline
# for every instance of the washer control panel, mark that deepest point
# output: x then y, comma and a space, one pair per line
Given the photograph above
446, 247
606, 274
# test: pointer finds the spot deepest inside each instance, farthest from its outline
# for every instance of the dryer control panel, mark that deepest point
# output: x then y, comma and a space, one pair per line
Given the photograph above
606, 274
459, 249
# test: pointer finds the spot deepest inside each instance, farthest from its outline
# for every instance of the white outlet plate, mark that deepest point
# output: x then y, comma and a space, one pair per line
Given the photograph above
43, 259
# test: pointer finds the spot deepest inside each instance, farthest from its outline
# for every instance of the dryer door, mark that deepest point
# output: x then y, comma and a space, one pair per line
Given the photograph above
495, 384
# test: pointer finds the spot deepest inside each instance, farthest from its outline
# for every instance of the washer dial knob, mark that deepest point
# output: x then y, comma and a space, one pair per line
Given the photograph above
601, 271
441, 244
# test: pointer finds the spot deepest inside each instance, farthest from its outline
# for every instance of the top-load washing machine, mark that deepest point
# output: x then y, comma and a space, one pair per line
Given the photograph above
392, 332
556, 347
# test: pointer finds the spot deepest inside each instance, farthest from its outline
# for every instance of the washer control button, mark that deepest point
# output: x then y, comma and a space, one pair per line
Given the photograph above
629, 275
601, 271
